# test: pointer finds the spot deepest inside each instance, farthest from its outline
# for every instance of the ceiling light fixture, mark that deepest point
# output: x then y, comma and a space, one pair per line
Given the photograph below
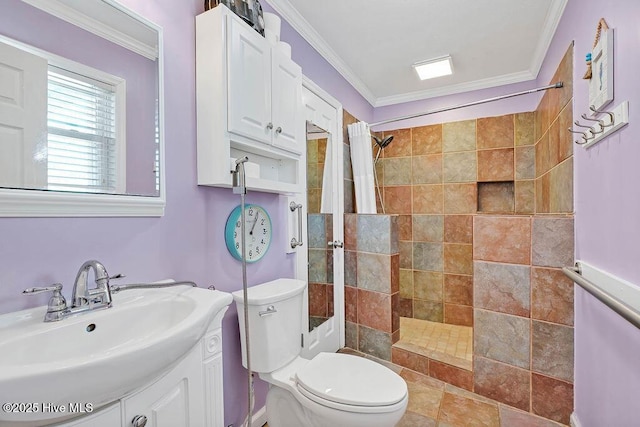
432, 68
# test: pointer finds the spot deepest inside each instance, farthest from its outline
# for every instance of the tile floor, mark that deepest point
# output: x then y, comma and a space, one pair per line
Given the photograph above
434, 403
451, 344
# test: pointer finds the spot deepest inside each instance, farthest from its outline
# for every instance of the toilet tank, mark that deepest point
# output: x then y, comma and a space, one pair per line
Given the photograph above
275, 323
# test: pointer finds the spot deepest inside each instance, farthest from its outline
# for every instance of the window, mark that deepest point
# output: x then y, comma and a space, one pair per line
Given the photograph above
83, 139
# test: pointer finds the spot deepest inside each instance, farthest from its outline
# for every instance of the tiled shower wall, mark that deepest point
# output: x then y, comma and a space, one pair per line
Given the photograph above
320, 231
372, 266
485, 225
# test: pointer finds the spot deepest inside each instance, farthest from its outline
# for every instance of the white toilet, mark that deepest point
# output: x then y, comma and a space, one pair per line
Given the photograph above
332, 389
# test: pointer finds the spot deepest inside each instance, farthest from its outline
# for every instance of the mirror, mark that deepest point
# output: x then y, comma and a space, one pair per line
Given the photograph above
80, 104
319, 225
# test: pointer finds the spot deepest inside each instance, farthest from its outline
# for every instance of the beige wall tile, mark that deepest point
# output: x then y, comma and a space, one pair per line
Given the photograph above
525, 162
427, 140
428, 285
502, 239
427, 169
525, 129
461, 315
458, 289
525, 197
397, 200
460, 198
458, 258
459, 136
496, 132
500, 287
428, 228
458, 228
397, 171
565, 143
496, 165
501, 382
400, 146
551, 398
427, 199
551, 296
460, 167
561, 187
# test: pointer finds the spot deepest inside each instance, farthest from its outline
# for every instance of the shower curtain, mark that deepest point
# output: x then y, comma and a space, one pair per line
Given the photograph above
362, 163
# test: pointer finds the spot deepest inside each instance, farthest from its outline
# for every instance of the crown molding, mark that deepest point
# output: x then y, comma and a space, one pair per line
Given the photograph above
94, 25
548, 31
302, 26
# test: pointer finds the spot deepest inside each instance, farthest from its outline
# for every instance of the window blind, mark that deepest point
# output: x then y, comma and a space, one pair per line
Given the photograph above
81, 120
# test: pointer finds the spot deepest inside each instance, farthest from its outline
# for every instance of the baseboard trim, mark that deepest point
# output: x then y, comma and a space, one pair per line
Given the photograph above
259, 417
574, 421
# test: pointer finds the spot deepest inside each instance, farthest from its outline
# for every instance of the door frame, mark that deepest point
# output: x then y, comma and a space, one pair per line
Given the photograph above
325, 111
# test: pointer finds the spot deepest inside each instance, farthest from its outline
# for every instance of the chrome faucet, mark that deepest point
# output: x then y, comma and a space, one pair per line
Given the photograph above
97, 297
83, 298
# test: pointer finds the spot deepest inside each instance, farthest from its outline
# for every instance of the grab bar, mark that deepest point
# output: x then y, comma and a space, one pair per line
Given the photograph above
631, 315
297, 242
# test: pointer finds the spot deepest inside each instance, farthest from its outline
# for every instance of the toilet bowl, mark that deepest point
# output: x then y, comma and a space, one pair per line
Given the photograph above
331, 389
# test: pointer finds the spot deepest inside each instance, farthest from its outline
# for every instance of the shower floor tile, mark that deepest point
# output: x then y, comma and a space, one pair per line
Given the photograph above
450, 344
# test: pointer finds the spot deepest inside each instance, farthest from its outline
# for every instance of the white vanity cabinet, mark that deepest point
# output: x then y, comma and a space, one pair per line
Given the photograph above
189, 395
249, 102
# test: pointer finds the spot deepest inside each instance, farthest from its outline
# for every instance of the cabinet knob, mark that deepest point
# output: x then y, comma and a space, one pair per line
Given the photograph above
278, 129
270, 126
139, 421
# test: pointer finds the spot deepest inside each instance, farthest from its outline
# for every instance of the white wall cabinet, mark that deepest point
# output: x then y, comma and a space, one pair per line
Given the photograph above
249, 99
189, 395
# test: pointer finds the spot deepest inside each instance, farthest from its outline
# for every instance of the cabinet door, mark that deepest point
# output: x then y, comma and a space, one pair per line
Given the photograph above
174, 400
286, 103
249, 80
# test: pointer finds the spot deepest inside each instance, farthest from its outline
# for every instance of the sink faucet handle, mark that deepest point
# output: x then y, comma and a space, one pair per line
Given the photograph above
55, 288
57, 304
117, 276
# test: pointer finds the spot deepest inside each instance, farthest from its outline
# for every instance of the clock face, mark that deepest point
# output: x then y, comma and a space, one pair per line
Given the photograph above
258, 232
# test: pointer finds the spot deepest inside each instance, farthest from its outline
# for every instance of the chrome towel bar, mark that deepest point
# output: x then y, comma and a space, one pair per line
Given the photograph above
575, 274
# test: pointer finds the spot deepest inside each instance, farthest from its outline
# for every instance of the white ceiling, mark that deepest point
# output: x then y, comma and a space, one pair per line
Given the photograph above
373, 43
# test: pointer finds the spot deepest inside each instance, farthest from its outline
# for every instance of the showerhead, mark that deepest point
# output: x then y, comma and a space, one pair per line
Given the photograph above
383, 142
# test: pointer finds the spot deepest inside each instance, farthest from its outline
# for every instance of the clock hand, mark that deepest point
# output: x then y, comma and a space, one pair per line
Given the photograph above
254, 223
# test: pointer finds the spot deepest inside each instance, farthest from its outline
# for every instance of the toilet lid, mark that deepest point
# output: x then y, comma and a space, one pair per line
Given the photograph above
351, 380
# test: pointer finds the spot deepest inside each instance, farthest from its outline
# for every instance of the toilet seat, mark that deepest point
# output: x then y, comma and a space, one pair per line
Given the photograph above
351, 383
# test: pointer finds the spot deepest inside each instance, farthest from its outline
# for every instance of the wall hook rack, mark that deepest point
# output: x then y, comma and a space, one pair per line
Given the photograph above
618, 118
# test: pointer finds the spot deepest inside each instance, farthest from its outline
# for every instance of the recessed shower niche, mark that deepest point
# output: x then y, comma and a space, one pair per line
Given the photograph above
496, 197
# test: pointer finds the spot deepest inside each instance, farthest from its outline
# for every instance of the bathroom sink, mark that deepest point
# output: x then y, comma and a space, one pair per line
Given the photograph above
100, 356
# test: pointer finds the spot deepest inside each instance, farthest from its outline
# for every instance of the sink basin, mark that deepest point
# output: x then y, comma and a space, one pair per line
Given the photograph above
100, 356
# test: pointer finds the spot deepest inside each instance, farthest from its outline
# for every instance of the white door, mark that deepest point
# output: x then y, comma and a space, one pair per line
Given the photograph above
249, 80
323, 113
23, 119
286, 79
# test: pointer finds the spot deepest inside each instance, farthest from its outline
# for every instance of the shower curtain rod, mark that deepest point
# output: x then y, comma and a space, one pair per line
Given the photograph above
557, 85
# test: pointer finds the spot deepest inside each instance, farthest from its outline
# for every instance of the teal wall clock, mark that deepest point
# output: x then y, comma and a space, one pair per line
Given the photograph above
258, 232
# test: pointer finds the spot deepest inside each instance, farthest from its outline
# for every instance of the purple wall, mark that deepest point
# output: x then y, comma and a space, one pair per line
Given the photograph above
607, 378
496, 108
187, 243
18, 20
